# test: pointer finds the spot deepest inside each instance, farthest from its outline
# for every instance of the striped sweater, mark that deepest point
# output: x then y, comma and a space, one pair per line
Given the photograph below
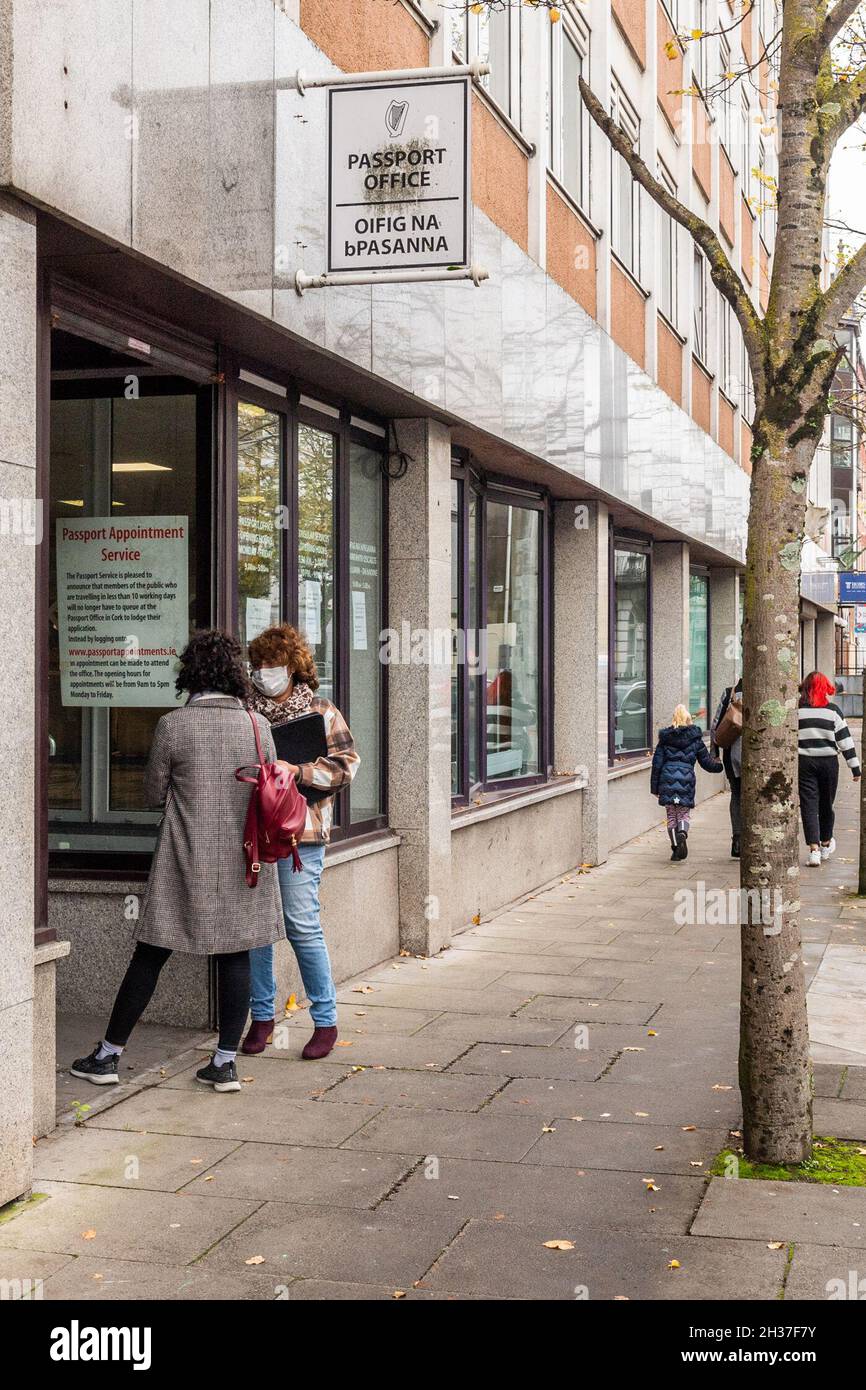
823, 734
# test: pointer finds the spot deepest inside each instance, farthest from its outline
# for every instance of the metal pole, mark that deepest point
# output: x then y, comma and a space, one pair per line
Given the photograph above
301, 81
305, 282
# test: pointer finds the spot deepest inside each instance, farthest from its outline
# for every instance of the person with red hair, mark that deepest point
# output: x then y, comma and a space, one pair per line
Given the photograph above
823, 735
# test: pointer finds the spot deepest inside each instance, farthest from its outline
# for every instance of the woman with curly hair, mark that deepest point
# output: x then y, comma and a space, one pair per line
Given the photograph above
197, 900
285, 679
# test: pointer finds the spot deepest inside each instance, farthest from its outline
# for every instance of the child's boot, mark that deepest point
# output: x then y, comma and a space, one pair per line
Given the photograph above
682, 844
674, 849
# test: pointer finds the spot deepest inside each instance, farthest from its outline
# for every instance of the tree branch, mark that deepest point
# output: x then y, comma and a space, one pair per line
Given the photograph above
834, 22
722, 273
841, 293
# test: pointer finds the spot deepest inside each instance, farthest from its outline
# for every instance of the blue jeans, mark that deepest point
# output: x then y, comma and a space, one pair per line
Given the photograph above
300, 895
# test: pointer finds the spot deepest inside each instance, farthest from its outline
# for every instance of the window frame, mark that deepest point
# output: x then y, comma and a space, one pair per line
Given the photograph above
471, 42
507, 491
701, 572
625, 114
700, 306
307, 405
627, 540
668, 250
573, 30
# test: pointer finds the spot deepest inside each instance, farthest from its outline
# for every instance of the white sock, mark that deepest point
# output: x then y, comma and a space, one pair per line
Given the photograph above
107, 1049
220, 1057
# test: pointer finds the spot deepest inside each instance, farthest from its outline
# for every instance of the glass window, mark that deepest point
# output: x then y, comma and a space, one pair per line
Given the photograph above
699, 649
260, 457
625, 192
513, 645
667, 296
366, 621
700, 305
498, 610
569, 143
491, 34
316, 571
630, 641
125, 448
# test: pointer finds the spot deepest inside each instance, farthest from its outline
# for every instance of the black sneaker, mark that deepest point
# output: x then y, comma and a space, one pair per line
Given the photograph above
224, 1078
102, 1073
682, 844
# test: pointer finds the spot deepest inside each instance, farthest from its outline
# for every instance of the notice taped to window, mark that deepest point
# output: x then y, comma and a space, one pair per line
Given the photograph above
122, 608
399, 176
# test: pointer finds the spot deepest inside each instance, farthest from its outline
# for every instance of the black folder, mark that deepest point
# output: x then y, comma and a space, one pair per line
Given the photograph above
303, 740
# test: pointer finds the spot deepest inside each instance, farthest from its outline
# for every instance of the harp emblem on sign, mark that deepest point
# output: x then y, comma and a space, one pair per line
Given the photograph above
395, 117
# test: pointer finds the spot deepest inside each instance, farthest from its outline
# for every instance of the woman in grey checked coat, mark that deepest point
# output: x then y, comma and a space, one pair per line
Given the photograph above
197, 899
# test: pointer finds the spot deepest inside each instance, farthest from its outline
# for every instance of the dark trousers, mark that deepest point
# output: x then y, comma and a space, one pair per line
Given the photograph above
734, 805
139, 983
819, 778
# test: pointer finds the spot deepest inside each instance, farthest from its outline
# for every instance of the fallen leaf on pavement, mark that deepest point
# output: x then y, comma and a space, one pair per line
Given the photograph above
255, 1260
776, 1245
673, 1264
559, 1244
366, 989
88, 1235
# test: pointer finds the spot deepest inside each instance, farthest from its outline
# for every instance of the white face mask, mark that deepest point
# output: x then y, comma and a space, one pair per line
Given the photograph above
271, 680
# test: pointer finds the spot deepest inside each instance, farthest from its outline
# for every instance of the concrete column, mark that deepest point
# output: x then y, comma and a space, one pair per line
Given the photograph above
725, 635
825, 630
807, 643
20, 534
419, 683
670, 630
580, 660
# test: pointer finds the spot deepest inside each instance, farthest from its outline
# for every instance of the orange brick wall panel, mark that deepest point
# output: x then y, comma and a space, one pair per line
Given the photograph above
670, 73
670, 362
765, 277
747, 37
365, 35
747, 241
726, 426
571, 258
630, 15
702, 158
727, 205
627, 316
500, 175
702, 394
745, 447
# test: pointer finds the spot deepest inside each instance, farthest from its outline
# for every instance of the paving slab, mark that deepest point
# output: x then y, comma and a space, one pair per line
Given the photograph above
843, 1119
835, 1273
498, 943
375, 1019
618, 1103
811, 1212
328, 1291
445, 1134
497, 1258
234, 1116
640, 1148
597, 1010
272, 1075
344, 1245
526, 1193
104, 1281
423, 1051
164, 1227
416, 1090
280, 1173
581, 986
450, 970
156, 1162
462, 1030
565, 1064
406, 999
25, 1272
854, 1087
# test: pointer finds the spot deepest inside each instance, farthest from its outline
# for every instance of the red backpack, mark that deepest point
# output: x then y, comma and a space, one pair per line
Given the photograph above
276, 815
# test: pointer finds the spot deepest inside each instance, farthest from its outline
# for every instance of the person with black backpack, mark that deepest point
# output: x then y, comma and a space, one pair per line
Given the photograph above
726, 737
197, 899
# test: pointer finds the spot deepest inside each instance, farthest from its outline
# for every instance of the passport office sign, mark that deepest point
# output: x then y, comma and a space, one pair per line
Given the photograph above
398, 176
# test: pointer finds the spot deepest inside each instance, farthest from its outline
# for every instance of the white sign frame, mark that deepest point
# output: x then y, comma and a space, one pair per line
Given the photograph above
391, 93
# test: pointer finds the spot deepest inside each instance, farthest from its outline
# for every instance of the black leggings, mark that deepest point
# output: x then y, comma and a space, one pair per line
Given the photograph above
819, 778
139, 982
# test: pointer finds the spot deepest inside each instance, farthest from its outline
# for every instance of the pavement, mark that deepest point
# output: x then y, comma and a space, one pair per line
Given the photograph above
529, 1115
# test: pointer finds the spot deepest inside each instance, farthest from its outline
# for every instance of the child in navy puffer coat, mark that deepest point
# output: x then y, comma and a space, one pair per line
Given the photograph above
672, 778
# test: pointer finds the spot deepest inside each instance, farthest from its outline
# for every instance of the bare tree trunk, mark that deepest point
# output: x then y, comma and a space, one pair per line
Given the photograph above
775, 1077
861, 884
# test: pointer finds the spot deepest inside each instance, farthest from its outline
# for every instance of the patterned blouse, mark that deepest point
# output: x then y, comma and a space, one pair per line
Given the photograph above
335, 770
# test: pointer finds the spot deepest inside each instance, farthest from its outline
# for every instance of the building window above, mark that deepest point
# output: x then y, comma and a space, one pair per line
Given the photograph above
699, 648
699, 304
569, 127
668, 258
625, 192
490, 34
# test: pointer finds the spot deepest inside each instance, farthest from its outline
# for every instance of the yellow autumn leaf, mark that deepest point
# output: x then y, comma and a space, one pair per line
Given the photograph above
558, 1244
291, 1004
555, 16
697, 34
401, 1293
673, 1264
476, 919
672, 48
88, 1235
255, 1260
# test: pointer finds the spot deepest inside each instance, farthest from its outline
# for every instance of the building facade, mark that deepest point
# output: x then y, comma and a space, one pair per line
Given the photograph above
510, 519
